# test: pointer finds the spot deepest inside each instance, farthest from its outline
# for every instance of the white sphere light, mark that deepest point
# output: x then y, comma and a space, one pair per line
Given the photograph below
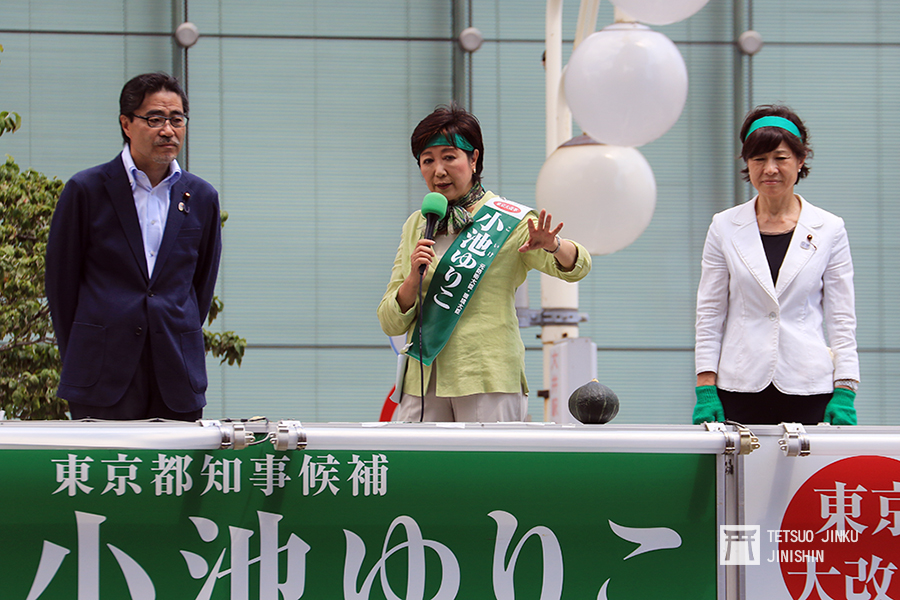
626, 84
660, 12
605, 195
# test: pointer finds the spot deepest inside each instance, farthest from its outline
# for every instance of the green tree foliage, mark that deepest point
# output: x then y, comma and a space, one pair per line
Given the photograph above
29, 359
227, 344
9, 121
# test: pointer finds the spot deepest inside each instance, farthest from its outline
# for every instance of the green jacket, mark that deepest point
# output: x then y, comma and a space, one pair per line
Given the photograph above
485, 353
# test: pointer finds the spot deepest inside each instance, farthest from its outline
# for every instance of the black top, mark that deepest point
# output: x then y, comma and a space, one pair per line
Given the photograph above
776, 247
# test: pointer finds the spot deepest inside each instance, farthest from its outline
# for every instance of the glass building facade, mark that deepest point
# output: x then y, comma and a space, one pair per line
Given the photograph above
301, 112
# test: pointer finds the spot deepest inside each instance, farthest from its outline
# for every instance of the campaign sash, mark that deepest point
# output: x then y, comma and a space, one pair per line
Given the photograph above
459, 272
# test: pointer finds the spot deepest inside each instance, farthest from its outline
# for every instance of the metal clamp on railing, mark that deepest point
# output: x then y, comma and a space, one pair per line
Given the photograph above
234, 435
749, 442
794, 441
730, 440
289, 435
550, 316
744, 442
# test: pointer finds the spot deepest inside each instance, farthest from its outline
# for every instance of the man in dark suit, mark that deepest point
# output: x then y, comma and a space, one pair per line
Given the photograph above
132, 260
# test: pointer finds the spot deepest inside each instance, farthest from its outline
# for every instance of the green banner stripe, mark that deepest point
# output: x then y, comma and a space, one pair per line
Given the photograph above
459, 273
328, 524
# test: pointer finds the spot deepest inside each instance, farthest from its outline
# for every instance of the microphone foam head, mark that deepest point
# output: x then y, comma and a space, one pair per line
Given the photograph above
434, 204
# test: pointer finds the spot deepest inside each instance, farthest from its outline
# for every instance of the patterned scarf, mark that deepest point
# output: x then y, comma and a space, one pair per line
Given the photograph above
458, 217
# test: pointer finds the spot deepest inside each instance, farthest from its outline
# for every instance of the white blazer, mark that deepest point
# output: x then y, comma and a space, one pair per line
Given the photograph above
751, 332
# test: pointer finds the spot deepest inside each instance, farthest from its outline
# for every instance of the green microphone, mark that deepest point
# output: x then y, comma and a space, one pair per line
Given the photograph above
434, 208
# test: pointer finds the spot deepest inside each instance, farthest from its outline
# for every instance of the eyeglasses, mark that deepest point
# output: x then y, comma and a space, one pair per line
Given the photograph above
159, 121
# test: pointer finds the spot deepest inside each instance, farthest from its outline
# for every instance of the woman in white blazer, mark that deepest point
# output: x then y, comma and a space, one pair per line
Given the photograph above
775, 270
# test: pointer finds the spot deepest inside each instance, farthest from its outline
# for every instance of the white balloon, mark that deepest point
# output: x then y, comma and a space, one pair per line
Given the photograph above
605, 195
660, 12
626, 84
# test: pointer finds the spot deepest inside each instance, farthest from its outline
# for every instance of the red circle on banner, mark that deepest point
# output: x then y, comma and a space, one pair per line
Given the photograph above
840, 536
506, 206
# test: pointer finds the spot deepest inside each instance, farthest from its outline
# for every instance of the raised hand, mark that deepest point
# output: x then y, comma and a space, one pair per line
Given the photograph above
542, 236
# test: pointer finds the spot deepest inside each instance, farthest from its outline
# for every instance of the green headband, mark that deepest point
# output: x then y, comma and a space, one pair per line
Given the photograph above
772, 121
441, 140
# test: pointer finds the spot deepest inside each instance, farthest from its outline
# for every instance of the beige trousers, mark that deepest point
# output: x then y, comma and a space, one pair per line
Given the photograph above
477, 408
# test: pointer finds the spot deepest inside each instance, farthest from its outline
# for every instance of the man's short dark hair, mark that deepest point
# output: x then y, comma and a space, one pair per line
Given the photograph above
139, 87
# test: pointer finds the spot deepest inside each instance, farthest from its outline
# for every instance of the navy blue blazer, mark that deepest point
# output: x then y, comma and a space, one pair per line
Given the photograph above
103, 302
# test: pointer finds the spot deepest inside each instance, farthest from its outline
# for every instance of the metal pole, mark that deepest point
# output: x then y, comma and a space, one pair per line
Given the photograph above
587, 20
180, 69
553, 71
557, 294
459, 22
739, 106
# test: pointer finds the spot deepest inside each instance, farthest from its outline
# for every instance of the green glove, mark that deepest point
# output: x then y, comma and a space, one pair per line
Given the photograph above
708, 407
840, 409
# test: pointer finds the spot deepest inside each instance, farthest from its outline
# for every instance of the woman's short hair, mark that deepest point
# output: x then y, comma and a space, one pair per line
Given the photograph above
766, 139
450, 121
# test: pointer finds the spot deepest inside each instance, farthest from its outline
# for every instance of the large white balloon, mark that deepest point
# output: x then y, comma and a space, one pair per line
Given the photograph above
605, 195
660, 12
626, 84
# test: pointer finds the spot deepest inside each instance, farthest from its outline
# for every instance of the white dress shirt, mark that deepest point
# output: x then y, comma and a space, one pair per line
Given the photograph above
152, 204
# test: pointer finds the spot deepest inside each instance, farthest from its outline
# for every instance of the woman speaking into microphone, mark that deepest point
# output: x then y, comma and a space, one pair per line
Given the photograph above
471, 359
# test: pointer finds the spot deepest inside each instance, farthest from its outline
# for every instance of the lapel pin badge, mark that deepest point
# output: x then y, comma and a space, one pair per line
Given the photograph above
805, 243
182, 206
